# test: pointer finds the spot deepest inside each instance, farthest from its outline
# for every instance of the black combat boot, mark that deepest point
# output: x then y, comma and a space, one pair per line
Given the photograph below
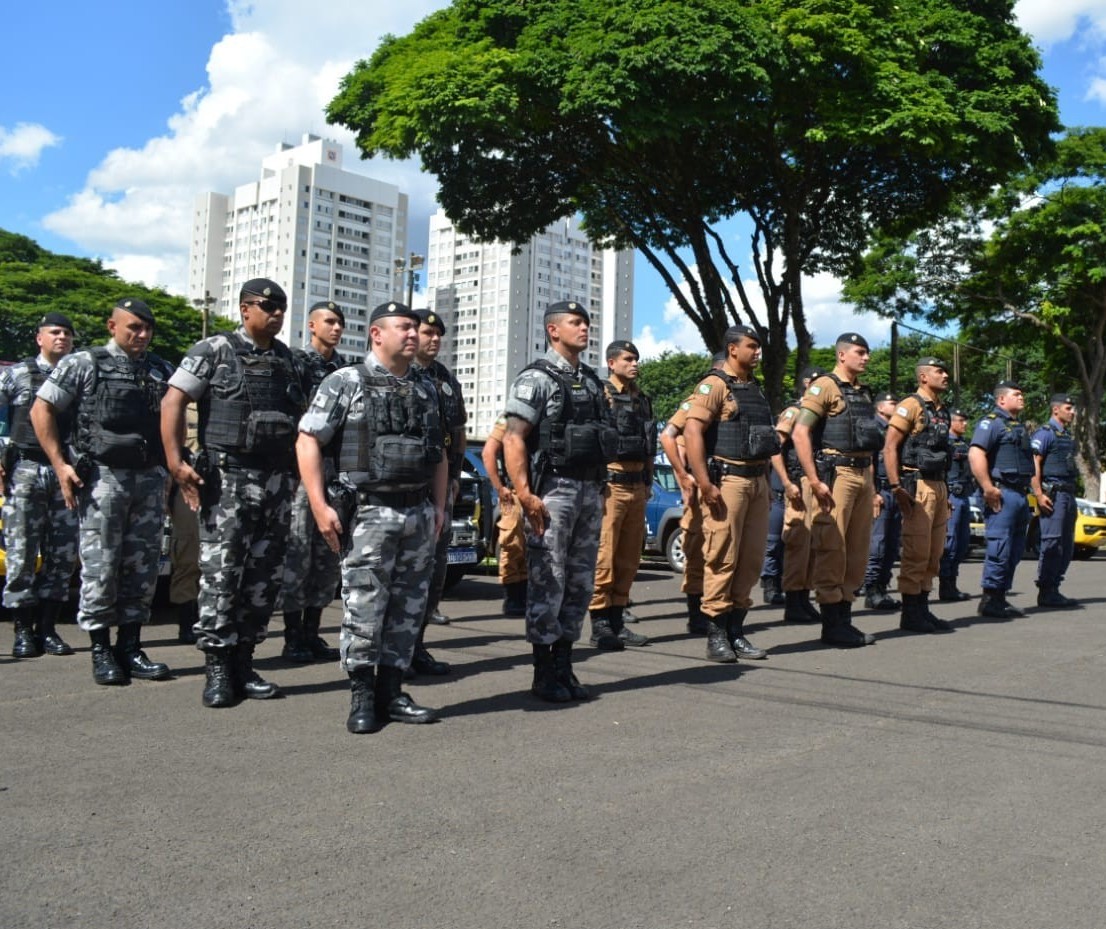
696, 622
131, 658
514, 599
625, 636
876, 598
391, 703
188, 614
772, 593
603, 634
798, 609
248, 683
546, 686
941, 625
837, 627
718, 643
993, 604
219, 687
562, 670
422, 662
104, 668
735, 634
295, 648
362, 708
1051, 597
947, 591
24, 645
47, 637
913, 618
316, 644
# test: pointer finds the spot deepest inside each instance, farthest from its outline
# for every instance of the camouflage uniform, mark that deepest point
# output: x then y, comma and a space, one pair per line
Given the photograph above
388, 545
121, 506
246, 499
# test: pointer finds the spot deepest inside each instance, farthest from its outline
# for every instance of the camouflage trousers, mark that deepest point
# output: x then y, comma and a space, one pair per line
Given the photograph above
561, 562
243, 534
386, 572
311, 570
36, 522
121, 513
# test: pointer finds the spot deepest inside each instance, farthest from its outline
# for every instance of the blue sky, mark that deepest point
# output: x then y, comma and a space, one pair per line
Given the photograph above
115, 115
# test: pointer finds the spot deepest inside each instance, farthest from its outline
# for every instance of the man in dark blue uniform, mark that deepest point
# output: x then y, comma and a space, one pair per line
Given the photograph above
958, 531
1002, 464
1054, 484
883, 550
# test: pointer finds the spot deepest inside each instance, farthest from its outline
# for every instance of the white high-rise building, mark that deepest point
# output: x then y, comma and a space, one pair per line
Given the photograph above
493, 302
319, 231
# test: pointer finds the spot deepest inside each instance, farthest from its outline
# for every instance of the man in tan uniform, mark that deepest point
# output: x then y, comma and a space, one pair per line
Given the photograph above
731, 439
835, 438
512, 539
916, 456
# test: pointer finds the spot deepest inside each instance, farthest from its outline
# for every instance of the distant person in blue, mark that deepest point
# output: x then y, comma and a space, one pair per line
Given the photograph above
1054, 484
958, 531
883, 550
1002, 465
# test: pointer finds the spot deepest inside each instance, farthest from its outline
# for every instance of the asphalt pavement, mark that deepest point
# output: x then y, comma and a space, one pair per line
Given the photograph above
927, 781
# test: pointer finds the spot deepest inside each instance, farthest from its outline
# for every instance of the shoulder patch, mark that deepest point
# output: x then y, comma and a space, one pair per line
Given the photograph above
685, 406
704, 389
984, 424
902, 411
524, 391
789, 413
815, 390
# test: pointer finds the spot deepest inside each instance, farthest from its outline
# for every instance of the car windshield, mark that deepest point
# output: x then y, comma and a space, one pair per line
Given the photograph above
664, 476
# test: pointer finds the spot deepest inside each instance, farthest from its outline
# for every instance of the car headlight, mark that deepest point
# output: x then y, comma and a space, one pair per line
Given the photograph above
1085, 509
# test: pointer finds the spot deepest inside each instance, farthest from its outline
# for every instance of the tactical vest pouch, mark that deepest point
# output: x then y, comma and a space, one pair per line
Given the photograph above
930, 461
608, 443
763, 442
589, 444
399, 459
269, 432
121, 451
869, 438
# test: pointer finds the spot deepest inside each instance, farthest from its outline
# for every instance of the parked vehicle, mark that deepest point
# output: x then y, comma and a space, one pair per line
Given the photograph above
467, 545
1090, 527
662, 518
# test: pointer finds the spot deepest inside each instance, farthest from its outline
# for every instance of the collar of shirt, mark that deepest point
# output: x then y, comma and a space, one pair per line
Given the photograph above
555, 357
622, 386
114, 349
1056, 424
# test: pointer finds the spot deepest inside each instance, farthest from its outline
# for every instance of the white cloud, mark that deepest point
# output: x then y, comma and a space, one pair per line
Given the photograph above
1097, 90
267, 82
1051, 21
23, 144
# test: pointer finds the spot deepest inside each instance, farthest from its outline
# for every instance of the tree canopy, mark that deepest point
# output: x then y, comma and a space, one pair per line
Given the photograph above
819, 121
34, 281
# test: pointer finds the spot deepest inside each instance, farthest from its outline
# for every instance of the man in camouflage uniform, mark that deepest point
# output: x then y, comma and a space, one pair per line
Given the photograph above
381, 421
114, 475
311, 570
249, 392
916, 458
36, 519
629, 486
556, 448
454, 417
512, 538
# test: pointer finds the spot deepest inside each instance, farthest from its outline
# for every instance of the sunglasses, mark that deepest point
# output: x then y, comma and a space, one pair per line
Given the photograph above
269, 306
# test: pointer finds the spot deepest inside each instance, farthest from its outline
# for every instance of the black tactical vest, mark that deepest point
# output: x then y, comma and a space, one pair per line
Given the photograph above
121, 426
853, 431
928, 451
449, 396
631, 416
579, 441
1012, 458
960, 472
750, 434
1059, 463
253, 408
315, 368
392, 440
22, 432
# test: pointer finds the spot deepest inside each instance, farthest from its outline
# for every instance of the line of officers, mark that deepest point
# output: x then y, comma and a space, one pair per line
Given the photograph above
305, 469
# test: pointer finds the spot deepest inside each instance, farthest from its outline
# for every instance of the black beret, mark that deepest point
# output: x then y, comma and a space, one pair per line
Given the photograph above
55, 319
135, 308
393, 309
1061, 399
853, 338
957, 411
431, 318
931, 362
263, 287
810, 373
567, 306
1007, 385
328, 305
737, 333
886, 398
618, 346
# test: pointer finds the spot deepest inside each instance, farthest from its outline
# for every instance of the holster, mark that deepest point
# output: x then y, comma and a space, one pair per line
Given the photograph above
826, 470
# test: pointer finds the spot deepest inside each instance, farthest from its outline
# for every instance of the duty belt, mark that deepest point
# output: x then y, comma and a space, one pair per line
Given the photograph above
848, 461
1020, 486
397, 500
743, 470
34, 454
579, 472
1057, 487
233, 461
958, 489
627, 477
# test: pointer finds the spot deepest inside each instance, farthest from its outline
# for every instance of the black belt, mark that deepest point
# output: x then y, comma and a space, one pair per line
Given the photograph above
1021, 487
1057, 487
397, 500
929, 475
848, 461
34, 454
743, 470
580, 472
233, 461
627, 477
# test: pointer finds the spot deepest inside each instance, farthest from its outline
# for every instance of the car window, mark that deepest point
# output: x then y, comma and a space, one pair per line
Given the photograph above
666, 478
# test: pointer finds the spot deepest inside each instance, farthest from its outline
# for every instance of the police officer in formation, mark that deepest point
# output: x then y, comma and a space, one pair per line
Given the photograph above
381, 421
1054, 483
454, 417
1002, 464
37, 522
835, 439
112, 472
250, 395
511, 535
916, 457
629, 485
731, 438
798, 556
958, 531
311, 569
557, 446
883, 549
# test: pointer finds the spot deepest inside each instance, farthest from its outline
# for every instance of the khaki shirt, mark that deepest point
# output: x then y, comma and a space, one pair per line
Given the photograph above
823, 398
909, 418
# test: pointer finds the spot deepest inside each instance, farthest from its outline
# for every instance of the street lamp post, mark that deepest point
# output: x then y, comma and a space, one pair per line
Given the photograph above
204, 306
411, 266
